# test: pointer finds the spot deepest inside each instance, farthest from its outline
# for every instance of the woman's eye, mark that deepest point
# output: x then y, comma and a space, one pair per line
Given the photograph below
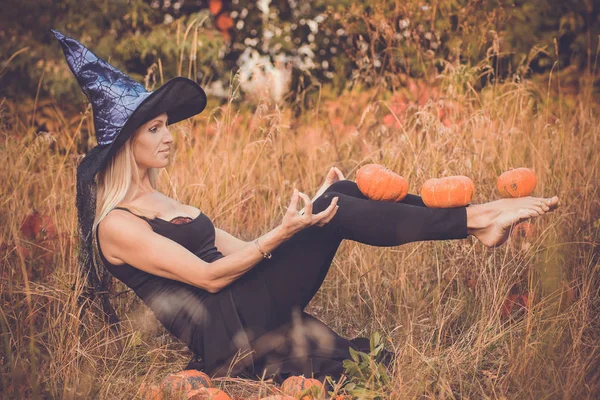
153, 129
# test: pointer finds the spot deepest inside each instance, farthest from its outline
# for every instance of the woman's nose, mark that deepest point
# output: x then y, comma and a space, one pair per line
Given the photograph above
168, 137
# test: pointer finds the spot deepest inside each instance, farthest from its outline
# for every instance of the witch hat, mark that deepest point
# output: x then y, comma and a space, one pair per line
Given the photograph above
120, 105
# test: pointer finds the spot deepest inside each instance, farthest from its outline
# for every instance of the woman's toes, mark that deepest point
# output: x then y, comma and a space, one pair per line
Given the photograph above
553, 202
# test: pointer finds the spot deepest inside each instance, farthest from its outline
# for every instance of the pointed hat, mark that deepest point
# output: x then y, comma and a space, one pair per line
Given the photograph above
120, 105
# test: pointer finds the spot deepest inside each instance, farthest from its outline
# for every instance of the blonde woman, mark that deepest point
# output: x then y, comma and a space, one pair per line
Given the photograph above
237, 305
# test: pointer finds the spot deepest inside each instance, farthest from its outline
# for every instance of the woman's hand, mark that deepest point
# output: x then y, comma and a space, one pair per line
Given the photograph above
333, 176
294, 222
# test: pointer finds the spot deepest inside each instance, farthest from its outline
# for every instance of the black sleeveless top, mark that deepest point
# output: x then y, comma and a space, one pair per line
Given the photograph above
197, 235
177, 305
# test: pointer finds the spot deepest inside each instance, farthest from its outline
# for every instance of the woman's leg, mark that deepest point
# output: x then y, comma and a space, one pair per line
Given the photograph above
298, 266
380, 223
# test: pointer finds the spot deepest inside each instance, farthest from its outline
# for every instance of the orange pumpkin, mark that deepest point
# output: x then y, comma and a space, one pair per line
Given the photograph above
182, 382
452, 191
310, 389
207, 394
174, 385
151, 392
197, 379
518, 182
380, 183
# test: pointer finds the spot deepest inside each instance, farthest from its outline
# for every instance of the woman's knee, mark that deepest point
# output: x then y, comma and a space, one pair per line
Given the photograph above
324, 201
346, 187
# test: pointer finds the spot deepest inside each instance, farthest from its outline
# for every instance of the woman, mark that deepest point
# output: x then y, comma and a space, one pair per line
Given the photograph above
237, 305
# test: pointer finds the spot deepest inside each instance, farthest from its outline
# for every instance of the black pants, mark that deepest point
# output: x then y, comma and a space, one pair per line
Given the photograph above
271, 297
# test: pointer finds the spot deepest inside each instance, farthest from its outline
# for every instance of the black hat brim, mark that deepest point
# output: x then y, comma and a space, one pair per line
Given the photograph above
180, 98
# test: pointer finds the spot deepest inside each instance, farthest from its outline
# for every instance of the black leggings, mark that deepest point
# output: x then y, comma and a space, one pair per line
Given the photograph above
298, 267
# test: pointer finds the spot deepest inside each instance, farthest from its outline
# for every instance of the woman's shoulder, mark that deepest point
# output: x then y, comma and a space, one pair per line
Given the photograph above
119, 219
115, 228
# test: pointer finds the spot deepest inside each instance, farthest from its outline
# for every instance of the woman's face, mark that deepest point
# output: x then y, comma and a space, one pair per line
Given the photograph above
152, 143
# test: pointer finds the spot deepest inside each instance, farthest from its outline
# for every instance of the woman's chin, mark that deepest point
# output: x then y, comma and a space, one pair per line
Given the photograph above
161, 164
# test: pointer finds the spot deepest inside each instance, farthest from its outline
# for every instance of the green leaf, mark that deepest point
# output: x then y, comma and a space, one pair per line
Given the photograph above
353, 354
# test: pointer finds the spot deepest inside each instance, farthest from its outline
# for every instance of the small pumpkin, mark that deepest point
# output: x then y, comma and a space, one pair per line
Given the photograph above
182, 382
174, 385
207, 394
308, 388
380, 183
197, 379
518, 182
452, 191
151, 392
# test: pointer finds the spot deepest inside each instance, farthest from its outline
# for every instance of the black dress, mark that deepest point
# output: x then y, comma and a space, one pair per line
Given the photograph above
257, 326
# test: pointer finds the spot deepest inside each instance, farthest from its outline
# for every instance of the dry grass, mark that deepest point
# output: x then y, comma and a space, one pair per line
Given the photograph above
439, 304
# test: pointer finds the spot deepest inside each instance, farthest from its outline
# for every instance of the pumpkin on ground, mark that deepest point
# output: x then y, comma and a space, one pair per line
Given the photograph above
452, 191
308, 388
380, 183
174, 386
197, 379
151, 392
518, 182
207, 394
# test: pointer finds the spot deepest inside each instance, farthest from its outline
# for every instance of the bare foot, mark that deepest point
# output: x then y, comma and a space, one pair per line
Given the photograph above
491, 222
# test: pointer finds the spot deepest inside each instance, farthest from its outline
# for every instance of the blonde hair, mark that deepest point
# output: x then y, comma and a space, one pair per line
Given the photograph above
112, 184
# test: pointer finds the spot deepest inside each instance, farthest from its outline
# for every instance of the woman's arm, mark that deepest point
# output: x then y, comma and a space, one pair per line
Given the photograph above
226, 243
131, 240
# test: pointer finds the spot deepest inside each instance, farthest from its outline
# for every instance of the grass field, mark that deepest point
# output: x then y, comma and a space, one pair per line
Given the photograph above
519, 321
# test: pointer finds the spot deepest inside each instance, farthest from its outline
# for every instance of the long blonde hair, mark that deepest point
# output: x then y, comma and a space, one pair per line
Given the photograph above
113, 182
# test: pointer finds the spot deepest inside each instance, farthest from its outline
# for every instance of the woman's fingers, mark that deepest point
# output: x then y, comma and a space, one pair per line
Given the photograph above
294, 203
328, 212
330, 216
321, 218
307, 202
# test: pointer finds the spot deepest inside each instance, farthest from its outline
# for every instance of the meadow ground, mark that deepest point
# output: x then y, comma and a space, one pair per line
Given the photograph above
519, 321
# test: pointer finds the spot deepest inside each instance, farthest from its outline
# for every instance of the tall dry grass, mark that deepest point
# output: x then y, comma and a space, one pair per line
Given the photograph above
439, 304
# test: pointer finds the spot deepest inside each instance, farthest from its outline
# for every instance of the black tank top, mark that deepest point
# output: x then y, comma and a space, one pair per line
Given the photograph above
197, 235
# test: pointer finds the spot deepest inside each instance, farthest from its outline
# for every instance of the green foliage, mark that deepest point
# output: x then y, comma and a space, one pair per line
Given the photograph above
130, 34
344, 42
368, 377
